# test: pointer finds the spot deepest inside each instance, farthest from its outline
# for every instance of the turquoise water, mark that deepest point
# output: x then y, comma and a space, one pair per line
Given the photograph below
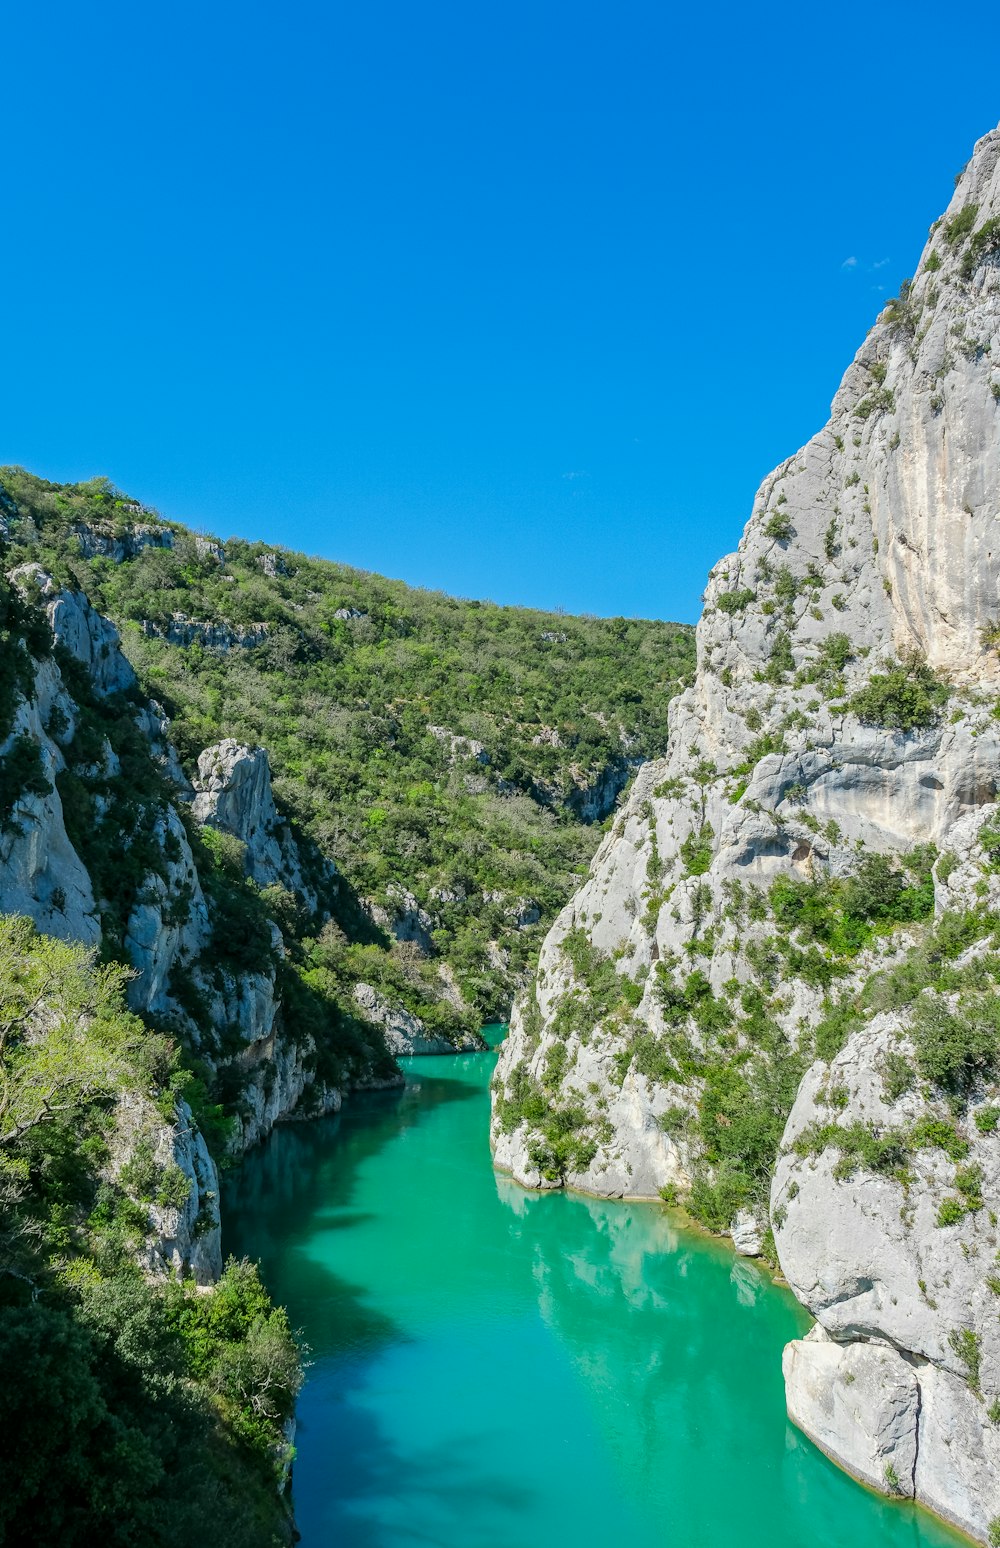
495, 1369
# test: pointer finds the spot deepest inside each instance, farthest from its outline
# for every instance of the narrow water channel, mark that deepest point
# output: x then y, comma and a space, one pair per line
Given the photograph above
495, 1369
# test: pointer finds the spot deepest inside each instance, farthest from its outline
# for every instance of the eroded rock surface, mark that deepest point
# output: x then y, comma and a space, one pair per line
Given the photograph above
673, 979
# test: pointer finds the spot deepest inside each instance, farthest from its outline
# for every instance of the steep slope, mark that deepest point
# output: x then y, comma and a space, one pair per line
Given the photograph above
203, 970
102, 841
451, 757
135, 1407
840, 734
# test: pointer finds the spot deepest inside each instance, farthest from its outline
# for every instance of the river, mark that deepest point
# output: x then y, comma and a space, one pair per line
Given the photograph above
496, 1369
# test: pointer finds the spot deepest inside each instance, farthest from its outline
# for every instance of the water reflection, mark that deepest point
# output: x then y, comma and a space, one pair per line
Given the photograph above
496, 1369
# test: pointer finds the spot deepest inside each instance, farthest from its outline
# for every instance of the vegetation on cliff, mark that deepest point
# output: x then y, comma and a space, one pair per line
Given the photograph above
134, 1411
457, 750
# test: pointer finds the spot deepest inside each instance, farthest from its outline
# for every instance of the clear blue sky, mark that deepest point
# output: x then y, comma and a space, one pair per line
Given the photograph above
517, 301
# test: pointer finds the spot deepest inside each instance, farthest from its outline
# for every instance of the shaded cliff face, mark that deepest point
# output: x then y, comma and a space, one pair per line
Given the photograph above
101, 843
840, 724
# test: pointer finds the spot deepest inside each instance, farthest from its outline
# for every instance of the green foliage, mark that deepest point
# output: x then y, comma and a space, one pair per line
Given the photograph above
930, 1133
908, 697
880, 400
560, 1141
967, 1345
779, 526
955, 1048
92, 1046
901, 317
983, 244
897, 1075
240, 1347
781, 660
960, 226
835, 1026
825, 919
353, 672
860, 1145
697, 851
734, 601
113, 1425
22, 773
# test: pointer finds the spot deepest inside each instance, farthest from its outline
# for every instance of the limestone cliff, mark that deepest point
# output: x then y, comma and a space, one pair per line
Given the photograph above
118, 867
842, 711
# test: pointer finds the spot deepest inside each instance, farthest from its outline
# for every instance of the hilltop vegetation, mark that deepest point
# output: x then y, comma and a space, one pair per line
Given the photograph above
461, 752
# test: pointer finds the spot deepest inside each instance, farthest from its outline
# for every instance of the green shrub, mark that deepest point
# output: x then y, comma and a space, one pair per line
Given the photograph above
897, 1075
968, 1347
22, 773
779, 526
959, 227
906, 698
955, 1048
881, 400
781, 660
983, 244
696, 850
735, 601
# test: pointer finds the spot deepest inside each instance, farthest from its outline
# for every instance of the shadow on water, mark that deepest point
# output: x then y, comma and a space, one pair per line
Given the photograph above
299, 1185
303, 1180
498, 1369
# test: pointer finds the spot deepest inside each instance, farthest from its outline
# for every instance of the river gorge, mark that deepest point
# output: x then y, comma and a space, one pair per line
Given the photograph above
492, 1367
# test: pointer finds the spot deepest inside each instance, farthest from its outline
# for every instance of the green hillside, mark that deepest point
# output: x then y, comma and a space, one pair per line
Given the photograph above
489, 819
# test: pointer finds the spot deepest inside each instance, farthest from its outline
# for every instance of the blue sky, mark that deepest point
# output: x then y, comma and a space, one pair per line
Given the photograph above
520, 302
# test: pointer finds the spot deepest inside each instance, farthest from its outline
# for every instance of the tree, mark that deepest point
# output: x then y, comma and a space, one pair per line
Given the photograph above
66, 1038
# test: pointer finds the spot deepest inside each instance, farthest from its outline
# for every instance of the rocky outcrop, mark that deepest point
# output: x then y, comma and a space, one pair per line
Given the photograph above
460, 748
213, 634
404, 1032
168, 931
897, 1262
404, 918
233, 793
92, 639
121, 543
814, 733
183, 1196
41, 875
592, 799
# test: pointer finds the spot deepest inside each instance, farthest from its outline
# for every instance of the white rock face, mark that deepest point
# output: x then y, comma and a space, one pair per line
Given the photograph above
41, 875
404, 918
85, 633
405, 1033
170, 925
876, 540
866, 1253
185, 1234
109, 543
233, 793
212, 633
859, 1402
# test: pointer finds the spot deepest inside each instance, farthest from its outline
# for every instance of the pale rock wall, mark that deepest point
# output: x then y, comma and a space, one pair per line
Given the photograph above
184, 1239
867, 1255
41, 875
404, 1032
886, 525
233, 793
